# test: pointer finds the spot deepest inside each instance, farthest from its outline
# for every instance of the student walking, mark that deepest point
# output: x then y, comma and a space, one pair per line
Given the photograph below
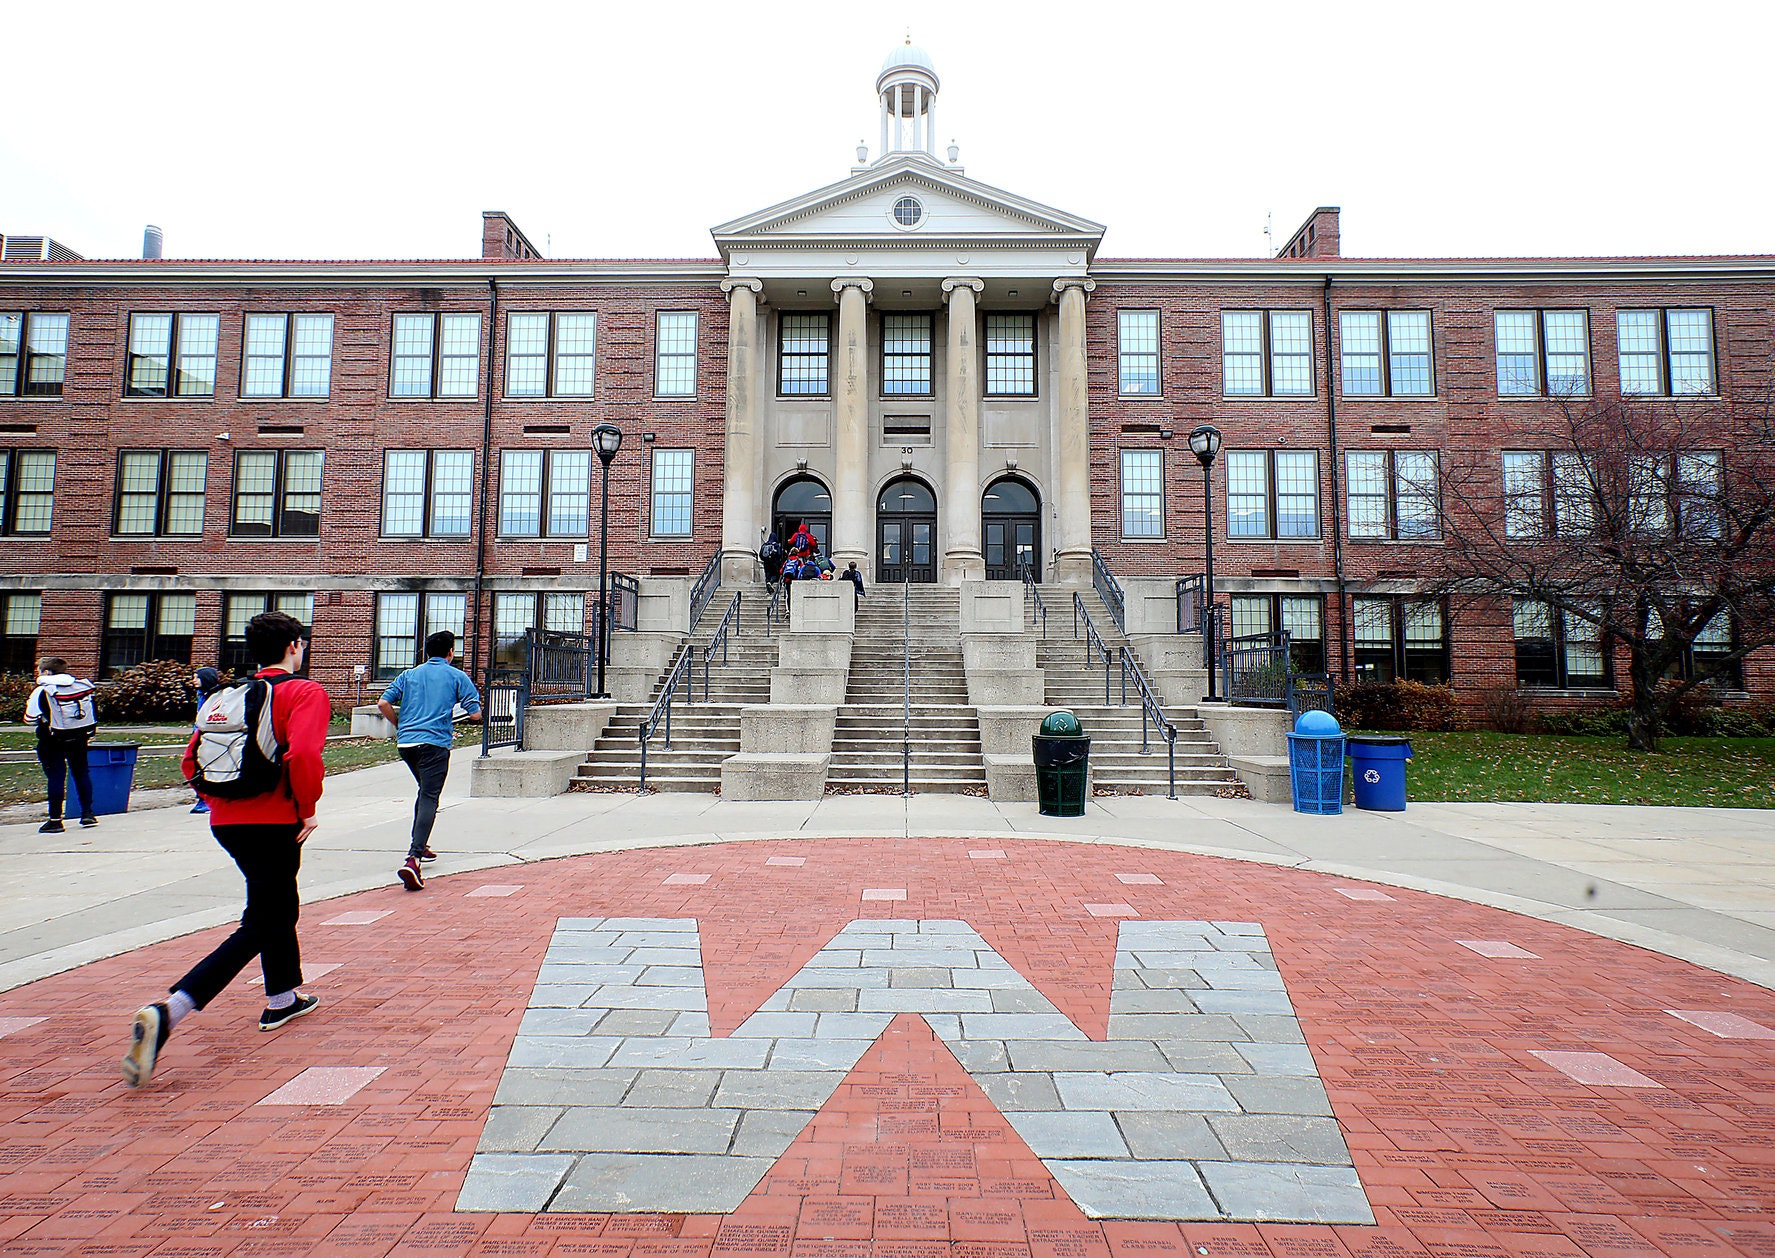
427, 695
855, 578
65, 717
256, 757
206, 681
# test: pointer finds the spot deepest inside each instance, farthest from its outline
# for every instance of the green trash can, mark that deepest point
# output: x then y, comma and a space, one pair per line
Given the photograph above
1062, 765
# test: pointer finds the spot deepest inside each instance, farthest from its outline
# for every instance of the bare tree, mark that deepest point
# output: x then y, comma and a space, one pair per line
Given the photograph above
1649, 521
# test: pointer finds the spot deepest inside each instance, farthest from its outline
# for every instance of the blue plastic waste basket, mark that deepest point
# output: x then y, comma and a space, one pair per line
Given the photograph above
1377, 765
113, 769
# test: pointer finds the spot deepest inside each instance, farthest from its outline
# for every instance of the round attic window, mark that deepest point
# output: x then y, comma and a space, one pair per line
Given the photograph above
908, 212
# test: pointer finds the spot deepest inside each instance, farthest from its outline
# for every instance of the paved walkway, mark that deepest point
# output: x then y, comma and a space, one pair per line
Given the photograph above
881, 1028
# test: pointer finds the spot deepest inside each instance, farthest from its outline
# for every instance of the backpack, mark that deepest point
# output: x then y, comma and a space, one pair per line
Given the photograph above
238, 755
772, 549
68, 708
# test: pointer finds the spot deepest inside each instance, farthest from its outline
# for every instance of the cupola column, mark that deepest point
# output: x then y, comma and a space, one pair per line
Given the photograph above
962, 558
742, 461
1073, 424
850, 424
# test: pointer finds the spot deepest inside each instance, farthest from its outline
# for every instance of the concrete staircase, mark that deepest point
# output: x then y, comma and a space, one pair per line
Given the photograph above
867, 744
705, 729
1074, 680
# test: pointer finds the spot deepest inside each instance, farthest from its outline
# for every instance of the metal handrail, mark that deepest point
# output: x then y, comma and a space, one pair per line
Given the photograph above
1033, 591
730, 620
1092, 639
906, 729
1109, 590
776, 605
704, 589
1150, 709
662, 707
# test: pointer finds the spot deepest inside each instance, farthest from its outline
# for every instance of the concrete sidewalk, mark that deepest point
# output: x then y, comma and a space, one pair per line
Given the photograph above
1698, 884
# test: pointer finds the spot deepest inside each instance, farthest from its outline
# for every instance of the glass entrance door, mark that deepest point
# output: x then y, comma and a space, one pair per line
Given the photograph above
1011, 528
906, 533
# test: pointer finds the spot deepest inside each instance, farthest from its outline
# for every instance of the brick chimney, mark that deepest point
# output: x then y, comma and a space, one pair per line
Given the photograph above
1317, 237
501, 239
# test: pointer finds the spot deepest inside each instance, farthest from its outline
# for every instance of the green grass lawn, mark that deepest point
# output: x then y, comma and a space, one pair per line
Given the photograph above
1557, 769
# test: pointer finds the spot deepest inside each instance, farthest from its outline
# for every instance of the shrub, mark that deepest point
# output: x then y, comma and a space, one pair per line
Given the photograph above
15, 688
1401, 705
1598, 719
1505, 709
159, 690
1736, 723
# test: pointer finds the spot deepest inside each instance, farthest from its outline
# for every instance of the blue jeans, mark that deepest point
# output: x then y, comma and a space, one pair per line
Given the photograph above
62, 758
430, 766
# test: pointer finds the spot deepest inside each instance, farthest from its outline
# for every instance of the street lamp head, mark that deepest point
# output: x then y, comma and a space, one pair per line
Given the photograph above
606, 440
1204, 443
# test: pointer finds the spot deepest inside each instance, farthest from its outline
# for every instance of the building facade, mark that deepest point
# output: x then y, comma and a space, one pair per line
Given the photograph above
944, 380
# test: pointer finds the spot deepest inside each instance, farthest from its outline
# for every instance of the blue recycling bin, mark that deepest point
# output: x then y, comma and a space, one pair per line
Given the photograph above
1377, 765
113, 769
1316, 764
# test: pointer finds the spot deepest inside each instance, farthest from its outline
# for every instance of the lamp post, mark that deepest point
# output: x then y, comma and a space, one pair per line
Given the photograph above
1204, 443
606, 440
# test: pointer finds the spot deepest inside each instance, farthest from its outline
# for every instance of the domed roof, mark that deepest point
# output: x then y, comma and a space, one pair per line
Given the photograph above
909, 56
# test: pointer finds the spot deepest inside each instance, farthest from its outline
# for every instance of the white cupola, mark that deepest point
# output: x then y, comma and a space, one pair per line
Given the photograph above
907, 86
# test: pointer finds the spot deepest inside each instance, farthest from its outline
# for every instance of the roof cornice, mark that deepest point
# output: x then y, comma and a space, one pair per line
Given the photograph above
357, 274
1419, 270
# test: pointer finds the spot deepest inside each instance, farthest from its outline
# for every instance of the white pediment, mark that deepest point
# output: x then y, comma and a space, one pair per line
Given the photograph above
861, 210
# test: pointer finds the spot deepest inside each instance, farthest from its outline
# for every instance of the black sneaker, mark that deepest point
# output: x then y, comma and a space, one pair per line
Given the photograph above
428, 854
52, 826
151, 1028
271, 1019
89, 820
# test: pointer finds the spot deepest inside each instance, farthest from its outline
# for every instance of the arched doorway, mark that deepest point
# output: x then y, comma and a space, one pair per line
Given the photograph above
1011, 528
906, 532
803, 500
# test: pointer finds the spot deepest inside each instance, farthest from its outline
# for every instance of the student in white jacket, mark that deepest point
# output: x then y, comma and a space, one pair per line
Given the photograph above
59, 750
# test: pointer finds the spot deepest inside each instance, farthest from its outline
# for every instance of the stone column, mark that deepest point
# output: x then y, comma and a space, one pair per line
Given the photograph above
1072, 457
962, 559
850, 425
743, 468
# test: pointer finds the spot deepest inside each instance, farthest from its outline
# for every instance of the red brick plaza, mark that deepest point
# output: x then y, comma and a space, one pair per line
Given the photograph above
1504, 1085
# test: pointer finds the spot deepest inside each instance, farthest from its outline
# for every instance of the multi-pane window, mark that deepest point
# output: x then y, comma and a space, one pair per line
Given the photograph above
1143, 493
160, 493
1272, 493
405, 621
140, 627
1302, 617
1557, 648
1386, 353
171, 355
237, 609
287, 355
544, 493
513, 614
551, 355
436, 355
674, 353
1266, 353
1703, 656
1548, 494
277, 493
427, 493
1392, 494
1543, 353
672, 493
906, 355
27, 492
1010, 355
804, 354
1690, 498
33, 353
1665, 352
1137, 353
20, 615
1400, 638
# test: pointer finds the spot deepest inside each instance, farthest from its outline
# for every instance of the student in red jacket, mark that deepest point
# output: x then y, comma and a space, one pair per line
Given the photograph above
264, 834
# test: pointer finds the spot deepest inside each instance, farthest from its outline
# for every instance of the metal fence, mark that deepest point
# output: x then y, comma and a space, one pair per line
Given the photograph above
625, 601
1255, 669
1190, 603
503, 699
561, 667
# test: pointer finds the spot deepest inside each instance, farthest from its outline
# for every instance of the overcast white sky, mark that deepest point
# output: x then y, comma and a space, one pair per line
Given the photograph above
371, 130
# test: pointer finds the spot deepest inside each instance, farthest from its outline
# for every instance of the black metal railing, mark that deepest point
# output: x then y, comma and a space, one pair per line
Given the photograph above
1213, 634
503, 700
730, 623
776, 606
704, 589
1032, 594
1093, 641
906, 728
1307, 691
1191, 603
1109, 590
1255, 669
561, 667
661, 714
1151, 712
625, 601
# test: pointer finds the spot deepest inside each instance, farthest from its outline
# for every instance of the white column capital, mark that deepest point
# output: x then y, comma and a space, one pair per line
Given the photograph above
731, 283
968, 282
867, 286
1084, 284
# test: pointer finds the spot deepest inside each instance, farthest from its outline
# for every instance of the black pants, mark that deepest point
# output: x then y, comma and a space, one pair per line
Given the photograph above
430, 766
269, 856
64, 757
